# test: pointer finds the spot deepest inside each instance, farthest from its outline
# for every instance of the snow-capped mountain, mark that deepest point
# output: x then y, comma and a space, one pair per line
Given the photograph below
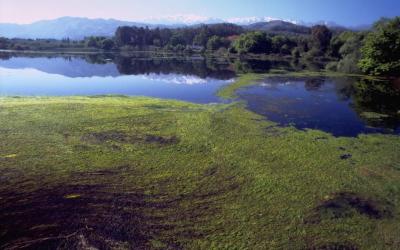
252, 20
184, 19
197, 19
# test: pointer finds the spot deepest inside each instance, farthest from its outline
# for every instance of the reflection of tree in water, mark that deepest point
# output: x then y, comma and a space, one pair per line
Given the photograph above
396, 84
261, 66
379, 98
5, 56
99, 58
344, 87
313, 84
252, 66
144, 63
201, 68
299, 65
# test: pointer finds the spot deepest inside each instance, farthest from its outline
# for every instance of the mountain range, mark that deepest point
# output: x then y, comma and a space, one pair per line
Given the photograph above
67, 27
78, 27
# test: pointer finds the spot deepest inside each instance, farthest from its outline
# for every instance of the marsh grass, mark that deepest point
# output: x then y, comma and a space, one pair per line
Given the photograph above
120, 173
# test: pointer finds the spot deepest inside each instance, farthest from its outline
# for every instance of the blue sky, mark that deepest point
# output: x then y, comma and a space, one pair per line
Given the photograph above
345, 12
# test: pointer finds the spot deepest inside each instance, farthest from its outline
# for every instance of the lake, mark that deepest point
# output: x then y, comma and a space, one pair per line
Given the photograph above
345, 106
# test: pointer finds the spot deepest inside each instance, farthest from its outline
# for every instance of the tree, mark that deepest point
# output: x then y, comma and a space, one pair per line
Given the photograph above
201, 38
321, 37
282, 44
381, 51
107, 44
123, 35
177, 39
338, 41
216, 42
346, 48
253, 42
92, 42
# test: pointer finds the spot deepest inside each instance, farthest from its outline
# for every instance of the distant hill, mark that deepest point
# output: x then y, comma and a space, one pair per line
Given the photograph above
278, 26
66, 27
77, 28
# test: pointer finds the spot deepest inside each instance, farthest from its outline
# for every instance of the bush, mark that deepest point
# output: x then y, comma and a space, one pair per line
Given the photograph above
332, 66
313, 53
349, 64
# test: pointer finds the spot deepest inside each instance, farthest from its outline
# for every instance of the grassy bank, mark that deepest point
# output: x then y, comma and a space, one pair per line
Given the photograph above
117, 172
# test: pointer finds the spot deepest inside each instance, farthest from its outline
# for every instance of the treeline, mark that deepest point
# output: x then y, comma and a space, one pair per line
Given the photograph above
89, 43
175, 39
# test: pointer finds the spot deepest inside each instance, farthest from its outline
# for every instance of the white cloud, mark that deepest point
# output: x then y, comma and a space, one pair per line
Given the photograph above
181, 79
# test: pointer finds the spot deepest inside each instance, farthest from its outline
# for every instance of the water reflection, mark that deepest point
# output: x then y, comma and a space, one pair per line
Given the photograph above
188, 79
341, 106
378, 103
194, 79
88, 65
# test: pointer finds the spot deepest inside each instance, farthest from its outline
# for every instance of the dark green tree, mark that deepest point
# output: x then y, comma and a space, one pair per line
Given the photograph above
381, 51
123, 35
321, 37
93, 42
253, 42
216, 42
107, 44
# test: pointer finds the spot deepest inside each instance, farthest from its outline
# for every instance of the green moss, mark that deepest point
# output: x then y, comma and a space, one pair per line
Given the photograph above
226, 182
228, 92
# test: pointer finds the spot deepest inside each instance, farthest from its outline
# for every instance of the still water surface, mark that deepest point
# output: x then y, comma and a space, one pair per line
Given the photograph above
341, 106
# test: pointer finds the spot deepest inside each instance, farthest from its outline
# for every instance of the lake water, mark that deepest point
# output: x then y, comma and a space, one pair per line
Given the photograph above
341, 106
66, 76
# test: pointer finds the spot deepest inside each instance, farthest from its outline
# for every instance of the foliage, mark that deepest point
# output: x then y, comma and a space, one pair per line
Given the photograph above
296, 53
216, 42
345, 47
321, 37
253, 42
93, 42
107, 44
381, 52
199, 36
282, 44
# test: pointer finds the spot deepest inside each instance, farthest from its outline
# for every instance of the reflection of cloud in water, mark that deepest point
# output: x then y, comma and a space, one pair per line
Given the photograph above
276, 84
182, 79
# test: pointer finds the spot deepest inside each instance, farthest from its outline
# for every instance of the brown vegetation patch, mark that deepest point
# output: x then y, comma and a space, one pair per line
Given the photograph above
335, 246
122, 137
81, 213
347, 204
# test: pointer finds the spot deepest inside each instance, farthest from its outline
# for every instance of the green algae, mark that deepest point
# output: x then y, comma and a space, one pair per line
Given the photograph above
229, 179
